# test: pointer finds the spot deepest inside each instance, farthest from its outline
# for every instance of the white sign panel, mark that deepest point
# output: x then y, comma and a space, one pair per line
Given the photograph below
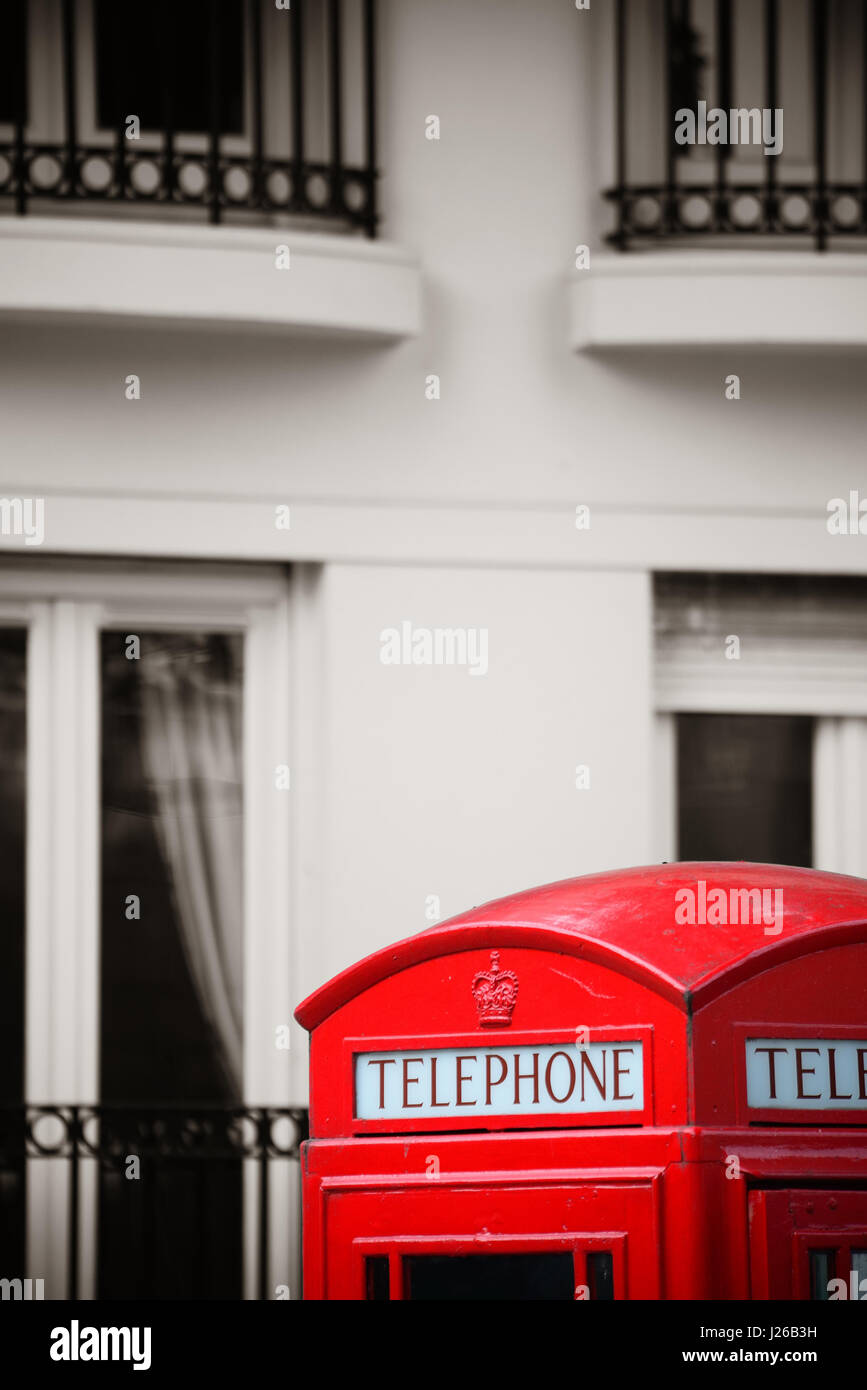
806, 1073
524, 1080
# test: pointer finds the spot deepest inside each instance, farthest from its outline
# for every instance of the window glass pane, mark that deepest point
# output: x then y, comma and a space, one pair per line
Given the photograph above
376, 1276
530, 1276
134, 73
13, 70
171, 868
745, 787
13, 658
821, 1274
858, 1263
171, 977
13, 738
600, 1274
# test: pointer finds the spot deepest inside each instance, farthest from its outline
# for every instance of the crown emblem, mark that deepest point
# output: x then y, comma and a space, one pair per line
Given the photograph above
495, 992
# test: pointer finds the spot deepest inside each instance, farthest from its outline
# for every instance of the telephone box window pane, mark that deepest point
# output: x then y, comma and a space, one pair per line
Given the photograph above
376, 1274
524, 1277
821, 1274
859, 1264
745, 787
600, 1274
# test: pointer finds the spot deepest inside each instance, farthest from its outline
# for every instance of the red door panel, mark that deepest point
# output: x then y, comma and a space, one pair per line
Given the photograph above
802, 1240
507, 1240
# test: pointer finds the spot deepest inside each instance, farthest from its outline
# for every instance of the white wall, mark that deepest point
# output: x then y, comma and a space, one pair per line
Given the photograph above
439, 782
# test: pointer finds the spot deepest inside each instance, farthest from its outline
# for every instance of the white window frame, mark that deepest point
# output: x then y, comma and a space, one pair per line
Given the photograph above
65, 606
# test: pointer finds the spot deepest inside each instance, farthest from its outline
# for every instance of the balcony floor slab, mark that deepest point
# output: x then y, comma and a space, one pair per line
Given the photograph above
694, 299
59, 267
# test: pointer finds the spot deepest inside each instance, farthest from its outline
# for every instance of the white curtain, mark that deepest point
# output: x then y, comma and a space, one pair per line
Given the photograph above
192, 758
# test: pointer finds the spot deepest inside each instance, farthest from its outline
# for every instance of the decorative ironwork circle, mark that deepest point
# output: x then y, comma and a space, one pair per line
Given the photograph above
237, 183
284, 1135
644, 213
795, 210
278, 187
745, 210
318, 190
694, 211
355, 195
192, 180
48, 1131
96, 174
845, 211
45, 172
145, 177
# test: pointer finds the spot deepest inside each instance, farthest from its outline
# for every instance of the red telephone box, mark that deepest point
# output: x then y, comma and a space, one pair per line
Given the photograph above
639, 1085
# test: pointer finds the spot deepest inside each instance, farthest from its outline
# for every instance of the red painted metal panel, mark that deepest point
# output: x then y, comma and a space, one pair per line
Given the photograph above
495, 1217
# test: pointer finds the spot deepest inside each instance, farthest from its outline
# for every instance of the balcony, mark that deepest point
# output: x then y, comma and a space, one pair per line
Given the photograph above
738, 151
120, 1202
228, 132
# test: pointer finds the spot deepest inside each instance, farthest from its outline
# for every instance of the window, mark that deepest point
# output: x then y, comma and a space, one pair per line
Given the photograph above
172, 855
744, 787
13, 70
159, 71
376, 1275
708, 177
13, 740
245, 110
761, 699
171, 1014
821, 1273
151, 944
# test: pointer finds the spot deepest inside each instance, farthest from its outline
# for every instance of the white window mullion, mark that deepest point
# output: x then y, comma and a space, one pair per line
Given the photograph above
840, 795
267, 932
62, 971
665, 788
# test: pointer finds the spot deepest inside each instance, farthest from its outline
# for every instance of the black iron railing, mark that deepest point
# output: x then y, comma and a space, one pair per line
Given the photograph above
238, 108
670, 55
170, 1225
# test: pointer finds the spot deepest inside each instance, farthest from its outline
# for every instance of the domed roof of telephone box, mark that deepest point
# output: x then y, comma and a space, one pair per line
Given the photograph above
689, 931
